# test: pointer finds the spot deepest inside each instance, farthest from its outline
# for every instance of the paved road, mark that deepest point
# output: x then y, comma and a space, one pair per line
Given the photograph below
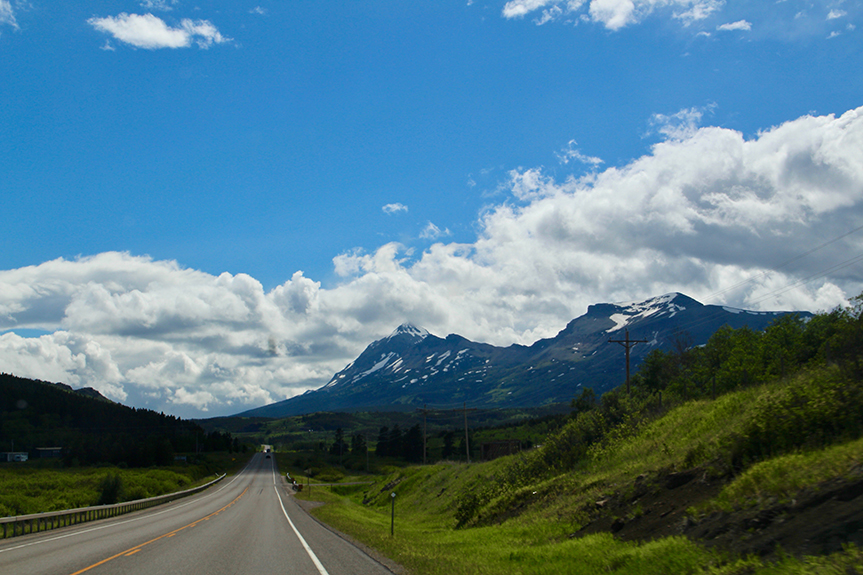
245, 524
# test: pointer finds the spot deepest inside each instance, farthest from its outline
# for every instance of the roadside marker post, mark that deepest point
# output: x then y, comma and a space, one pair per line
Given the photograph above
393, 517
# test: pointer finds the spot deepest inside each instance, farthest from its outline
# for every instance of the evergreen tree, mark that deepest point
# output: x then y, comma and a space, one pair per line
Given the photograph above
448, 445
382, 447
394, 445
339, 446
412, 444
358, 444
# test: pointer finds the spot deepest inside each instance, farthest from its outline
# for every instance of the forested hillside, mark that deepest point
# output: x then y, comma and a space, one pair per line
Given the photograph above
35, 414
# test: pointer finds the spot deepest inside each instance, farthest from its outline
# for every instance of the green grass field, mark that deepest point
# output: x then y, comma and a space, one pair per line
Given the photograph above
515, 518
33, 488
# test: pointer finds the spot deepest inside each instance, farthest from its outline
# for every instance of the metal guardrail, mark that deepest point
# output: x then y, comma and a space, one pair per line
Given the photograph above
24, 524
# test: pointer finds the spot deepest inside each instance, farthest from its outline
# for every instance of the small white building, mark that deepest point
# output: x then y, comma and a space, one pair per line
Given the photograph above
16, 456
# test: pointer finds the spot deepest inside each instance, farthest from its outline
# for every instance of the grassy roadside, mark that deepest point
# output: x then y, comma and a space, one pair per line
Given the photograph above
426, 543
516, 518
26, 489
780, 478
429, 545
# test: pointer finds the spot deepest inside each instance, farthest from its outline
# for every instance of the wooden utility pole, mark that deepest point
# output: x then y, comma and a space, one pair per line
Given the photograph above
627, 344
466, 439
425, 412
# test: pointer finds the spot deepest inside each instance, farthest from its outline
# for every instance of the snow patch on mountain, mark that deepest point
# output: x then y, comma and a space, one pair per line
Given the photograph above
409, 329
385, 359
442, 357
640, 310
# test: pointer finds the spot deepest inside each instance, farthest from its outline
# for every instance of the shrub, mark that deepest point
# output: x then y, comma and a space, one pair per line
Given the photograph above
110, 489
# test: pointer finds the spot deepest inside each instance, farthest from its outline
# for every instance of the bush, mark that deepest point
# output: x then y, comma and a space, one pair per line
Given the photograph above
810, 412
467, 508
110, 489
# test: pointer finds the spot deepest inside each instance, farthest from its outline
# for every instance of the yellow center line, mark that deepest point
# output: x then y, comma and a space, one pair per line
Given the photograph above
135, 549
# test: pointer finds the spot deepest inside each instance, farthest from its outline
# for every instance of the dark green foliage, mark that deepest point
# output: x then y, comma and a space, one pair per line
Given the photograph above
110, 489
845, 343
382, 449
394, 447
472, 444
467, 507
358, 444
448, 445
736, 358
37, 414
339, 447
584, 402
412, 444
809, 413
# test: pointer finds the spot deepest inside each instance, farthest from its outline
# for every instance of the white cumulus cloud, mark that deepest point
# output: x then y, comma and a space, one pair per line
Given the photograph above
520, 8
394, 208
745, 222
150, 32
739, 25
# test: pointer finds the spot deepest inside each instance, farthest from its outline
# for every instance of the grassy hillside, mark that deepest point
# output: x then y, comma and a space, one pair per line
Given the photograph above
766, 479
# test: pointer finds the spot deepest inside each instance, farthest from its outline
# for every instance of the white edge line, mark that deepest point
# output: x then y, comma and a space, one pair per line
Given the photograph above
308, 549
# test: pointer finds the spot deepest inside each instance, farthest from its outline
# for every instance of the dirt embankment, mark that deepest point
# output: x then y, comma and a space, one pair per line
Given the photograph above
816, 521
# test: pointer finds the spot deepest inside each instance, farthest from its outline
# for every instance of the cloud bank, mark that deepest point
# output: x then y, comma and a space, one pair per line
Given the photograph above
757, 223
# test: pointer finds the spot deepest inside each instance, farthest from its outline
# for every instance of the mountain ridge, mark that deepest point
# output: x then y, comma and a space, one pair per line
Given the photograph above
411, 367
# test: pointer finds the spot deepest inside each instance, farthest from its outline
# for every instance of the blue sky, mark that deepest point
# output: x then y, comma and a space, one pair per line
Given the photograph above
211, 206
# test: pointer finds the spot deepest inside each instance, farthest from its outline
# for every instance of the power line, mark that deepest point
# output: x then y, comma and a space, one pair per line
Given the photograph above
627, 344
764, 274
822, 273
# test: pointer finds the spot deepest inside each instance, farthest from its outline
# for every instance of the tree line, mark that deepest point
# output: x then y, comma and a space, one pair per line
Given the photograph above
36, 414
735, 358
397, 444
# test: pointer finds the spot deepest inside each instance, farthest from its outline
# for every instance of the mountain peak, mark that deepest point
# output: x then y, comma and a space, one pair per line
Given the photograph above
409, 329
665, 305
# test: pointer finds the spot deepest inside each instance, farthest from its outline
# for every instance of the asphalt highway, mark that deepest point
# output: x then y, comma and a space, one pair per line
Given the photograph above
245, 524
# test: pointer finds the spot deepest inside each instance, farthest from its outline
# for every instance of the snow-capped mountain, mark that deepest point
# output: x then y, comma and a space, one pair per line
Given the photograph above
411, 367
